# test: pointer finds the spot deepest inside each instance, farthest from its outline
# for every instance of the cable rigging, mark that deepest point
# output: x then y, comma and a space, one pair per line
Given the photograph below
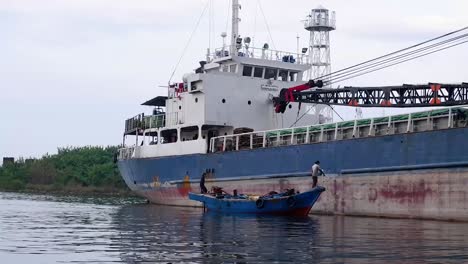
398, 55
189, 40
396, 63
266, 23
395, 58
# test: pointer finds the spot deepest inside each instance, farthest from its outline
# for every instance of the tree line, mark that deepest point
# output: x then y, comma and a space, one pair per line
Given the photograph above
71, 167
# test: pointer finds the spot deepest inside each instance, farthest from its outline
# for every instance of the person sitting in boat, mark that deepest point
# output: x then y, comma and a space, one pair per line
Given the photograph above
202, 184
316, 171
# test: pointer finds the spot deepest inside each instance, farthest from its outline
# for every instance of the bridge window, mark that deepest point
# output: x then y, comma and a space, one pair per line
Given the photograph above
233, 68
169, 136
283, 75
271, 73
247, 71
189, 133
293, 76
153, 137
258, 72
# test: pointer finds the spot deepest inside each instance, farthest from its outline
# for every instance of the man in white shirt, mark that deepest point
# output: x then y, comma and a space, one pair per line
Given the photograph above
316, 171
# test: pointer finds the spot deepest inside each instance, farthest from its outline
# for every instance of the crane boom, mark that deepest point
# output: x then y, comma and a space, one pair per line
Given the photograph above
406, 95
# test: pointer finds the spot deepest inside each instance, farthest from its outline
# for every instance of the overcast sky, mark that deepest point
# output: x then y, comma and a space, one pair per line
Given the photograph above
71, 71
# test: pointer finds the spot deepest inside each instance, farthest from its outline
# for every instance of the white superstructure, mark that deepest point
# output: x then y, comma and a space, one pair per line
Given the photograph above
233, 88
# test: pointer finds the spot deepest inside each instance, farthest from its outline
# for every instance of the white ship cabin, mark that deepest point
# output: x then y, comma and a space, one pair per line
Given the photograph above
231, 91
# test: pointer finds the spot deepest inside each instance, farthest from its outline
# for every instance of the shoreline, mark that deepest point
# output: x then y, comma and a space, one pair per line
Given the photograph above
75, 191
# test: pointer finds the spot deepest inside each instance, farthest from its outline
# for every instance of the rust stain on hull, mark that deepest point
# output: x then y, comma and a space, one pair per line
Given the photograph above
406, 193
430, 194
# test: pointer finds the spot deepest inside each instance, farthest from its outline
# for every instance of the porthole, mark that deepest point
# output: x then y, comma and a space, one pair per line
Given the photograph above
249, 102
224, 100
180, 107
290, 106
196, 100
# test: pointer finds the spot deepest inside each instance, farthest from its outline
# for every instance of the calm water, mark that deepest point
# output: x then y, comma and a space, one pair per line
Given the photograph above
47, 229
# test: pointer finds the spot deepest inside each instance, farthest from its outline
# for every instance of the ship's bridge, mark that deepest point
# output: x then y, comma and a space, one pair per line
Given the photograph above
264, 53
253, 62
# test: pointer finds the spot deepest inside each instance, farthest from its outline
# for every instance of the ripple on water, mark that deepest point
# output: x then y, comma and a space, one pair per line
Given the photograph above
44, 229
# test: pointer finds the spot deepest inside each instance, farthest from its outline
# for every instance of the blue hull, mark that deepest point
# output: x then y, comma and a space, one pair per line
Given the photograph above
423, 150
298, 205
421, 175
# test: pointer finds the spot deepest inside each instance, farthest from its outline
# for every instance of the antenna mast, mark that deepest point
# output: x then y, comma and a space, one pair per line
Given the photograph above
319, 23
235, 26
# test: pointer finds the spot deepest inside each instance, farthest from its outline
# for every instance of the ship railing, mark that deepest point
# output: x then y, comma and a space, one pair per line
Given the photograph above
414, 122
132, 124
175, 89
320, 22
126, 153
154, 121
320, 19
142, 121
262, 53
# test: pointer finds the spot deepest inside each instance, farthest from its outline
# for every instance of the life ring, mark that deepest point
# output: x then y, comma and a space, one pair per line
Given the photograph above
291, 201
260, 203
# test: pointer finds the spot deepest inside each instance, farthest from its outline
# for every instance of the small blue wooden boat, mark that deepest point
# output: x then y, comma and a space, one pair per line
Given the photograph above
287, 203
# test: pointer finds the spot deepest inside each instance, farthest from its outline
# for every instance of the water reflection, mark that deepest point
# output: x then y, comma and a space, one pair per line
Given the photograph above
187, 235
256, 238
181, 234
153, 233
46, 229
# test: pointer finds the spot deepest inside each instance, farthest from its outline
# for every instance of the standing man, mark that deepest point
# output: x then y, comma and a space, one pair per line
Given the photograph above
316, 171
203, 189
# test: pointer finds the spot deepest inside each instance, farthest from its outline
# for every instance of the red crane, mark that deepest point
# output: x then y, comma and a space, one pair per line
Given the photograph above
406, 95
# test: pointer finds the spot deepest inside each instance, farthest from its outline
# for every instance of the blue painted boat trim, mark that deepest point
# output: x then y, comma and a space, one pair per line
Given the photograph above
298, 203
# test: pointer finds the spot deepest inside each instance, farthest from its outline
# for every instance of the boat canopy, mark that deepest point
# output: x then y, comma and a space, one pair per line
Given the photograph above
157, 101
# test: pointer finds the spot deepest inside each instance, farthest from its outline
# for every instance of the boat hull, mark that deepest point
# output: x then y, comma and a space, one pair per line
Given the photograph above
297, 205
415, 175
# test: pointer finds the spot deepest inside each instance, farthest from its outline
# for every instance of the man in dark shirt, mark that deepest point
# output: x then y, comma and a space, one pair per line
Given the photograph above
202, 184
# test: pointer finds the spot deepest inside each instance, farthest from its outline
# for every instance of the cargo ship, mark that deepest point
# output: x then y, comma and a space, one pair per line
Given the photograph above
220, 120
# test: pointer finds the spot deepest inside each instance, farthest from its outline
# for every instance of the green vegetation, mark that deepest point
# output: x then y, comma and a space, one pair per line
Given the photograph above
72, 169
